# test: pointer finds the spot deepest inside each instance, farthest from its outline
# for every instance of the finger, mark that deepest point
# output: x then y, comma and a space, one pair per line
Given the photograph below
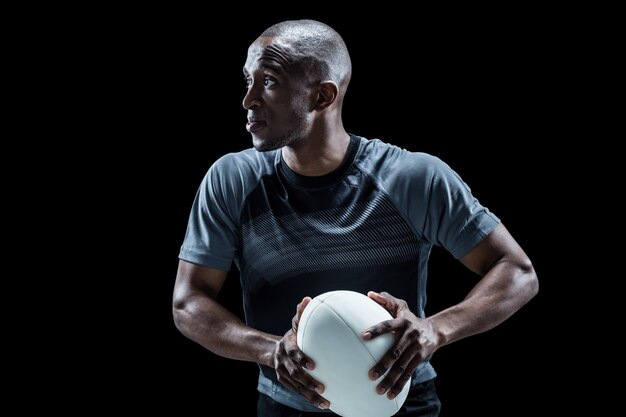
386, 300
299, 309
377, 297
294, 324
312, 396
402, 379
383, 327
399, 373
297, 378
402, 347
386, 363
298, 356
302, 305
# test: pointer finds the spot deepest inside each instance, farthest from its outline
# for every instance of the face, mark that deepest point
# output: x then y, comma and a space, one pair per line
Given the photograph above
279, 99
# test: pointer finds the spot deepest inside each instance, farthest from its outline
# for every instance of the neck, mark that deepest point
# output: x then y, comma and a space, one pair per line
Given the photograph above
319, 154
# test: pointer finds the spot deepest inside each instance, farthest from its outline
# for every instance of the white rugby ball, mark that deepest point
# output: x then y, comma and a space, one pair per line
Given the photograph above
330, 332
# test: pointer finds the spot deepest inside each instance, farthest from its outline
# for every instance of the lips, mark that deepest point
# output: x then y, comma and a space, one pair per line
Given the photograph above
254, 125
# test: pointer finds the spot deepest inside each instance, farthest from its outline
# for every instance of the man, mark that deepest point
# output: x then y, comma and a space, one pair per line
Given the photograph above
313, 208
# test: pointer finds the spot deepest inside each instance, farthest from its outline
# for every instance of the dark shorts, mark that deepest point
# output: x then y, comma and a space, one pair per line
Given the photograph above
422, 401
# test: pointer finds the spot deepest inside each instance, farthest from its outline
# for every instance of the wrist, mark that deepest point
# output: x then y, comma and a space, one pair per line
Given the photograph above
269, 350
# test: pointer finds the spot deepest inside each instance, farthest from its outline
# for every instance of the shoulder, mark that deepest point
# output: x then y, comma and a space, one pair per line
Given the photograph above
379, 157
243, 162
238, 171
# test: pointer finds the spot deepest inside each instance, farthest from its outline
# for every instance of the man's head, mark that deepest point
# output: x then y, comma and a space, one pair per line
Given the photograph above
297, 73
316, 49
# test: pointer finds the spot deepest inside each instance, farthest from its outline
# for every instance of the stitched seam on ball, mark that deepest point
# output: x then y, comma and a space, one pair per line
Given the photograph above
346, 324
350, 328
315, 307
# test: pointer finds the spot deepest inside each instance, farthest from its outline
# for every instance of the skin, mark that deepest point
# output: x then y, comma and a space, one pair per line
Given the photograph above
302, 116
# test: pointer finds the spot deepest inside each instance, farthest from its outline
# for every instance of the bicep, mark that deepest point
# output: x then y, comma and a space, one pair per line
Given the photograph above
498, 246
193, 279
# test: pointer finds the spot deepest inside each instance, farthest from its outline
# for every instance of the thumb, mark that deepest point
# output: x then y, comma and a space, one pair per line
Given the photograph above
388, 301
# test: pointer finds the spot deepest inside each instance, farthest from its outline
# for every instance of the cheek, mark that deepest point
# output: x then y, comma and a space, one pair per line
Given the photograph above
291, 107
294, 110
304, 104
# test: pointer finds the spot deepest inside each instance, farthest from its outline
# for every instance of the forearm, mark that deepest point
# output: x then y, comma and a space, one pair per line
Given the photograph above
204, 320
497, 296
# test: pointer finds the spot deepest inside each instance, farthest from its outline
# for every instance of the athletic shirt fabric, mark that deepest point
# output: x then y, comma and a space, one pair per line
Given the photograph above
368, 225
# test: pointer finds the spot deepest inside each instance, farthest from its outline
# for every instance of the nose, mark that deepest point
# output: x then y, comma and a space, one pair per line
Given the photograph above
252, 98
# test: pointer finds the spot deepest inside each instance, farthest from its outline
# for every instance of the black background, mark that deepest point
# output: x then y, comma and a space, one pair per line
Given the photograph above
484, 94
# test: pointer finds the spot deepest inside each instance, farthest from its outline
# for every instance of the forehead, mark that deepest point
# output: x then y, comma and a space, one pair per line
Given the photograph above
272, 53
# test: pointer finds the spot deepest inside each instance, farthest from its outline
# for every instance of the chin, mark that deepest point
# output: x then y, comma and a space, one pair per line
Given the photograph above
264, 144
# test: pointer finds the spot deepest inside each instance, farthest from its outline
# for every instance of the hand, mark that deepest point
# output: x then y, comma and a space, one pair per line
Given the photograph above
415, 341
289, 362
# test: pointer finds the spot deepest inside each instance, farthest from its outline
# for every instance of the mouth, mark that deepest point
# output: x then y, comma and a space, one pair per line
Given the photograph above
255, 125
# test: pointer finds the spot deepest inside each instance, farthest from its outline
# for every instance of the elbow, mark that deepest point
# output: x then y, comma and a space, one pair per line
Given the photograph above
530, 282
179, 313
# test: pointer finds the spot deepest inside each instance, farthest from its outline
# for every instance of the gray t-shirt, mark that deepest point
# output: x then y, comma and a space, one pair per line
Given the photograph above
368, 225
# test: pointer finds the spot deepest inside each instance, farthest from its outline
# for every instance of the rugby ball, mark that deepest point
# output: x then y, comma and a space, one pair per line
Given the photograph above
330, 332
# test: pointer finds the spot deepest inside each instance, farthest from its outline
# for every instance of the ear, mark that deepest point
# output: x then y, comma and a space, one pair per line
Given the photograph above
326, 94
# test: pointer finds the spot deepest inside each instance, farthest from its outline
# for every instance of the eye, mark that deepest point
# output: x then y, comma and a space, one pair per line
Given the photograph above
268, 81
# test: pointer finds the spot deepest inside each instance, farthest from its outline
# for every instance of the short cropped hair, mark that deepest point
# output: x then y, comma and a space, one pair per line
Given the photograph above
316, 46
